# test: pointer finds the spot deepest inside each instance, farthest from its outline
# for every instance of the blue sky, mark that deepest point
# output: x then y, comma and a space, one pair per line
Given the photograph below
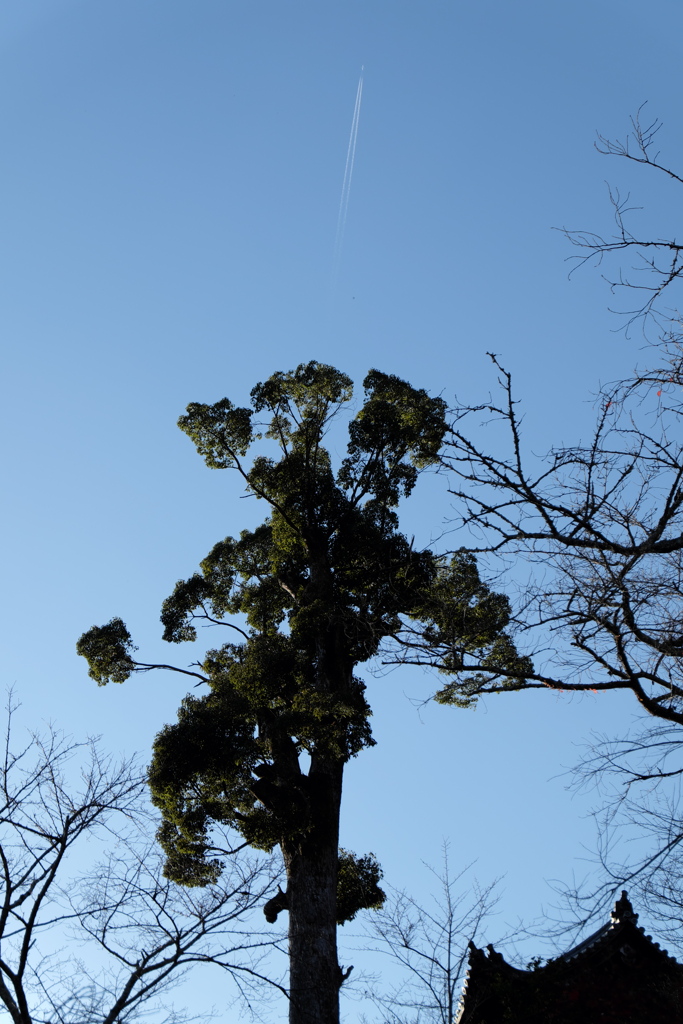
171, 180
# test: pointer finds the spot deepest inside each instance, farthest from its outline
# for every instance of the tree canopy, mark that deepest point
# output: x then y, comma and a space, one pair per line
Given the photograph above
319, 588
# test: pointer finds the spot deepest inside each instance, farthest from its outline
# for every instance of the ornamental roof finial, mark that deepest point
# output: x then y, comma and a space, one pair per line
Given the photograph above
623, 910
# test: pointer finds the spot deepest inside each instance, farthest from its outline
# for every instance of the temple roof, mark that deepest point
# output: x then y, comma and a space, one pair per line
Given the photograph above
618, 974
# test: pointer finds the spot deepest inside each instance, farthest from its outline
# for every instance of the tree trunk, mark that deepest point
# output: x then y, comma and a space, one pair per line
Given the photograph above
315, 976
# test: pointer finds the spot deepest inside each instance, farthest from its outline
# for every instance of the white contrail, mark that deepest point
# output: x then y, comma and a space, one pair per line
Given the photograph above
348, 174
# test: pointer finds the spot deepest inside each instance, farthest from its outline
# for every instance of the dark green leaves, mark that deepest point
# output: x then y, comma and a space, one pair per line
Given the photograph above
316, 588
107, 651
302, 401
464, 624
398, 431
358, 885
221, 432
177, 610
200, 773
412, 421
237, 577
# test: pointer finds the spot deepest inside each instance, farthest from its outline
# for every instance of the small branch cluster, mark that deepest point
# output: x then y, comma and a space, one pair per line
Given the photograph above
639, 824
660, 260
429, 943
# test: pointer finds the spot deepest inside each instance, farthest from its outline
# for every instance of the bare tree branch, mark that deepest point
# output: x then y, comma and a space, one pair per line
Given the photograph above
430, 945
600, 527
660, 260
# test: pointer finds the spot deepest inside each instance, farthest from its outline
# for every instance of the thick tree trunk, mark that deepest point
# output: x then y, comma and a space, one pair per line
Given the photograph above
315, 976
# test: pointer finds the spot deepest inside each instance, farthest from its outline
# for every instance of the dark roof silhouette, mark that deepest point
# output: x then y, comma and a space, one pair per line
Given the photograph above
618, 975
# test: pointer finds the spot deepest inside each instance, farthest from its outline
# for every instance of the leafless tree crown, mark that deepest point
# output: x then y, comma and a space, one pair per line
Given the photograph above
100, 942
598, 527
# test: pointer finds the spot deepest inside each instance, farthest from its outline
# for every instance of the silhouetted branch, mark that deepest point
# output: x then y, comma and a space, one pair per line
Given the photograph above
659, 258
429, 944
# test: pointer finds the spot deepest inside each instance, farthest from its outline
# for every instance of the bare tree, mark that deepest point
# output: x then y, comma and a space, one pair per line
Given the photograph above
430, 945
600, 528
594, 533
98, 941
598, 524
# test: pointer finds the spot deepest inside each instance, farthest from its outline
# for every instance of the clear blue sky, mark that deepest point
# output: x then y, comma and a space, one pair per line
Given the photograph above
171, 176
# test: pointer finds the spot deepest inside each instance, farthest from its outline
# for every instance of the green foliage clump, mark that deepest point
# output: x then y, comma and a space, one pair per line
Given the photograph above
221, 432
358, 887
107, 649
465, 624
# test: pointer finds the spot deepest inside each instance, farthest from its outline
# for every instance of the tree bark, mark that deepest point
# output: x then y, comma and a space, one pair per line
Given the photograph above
315, 974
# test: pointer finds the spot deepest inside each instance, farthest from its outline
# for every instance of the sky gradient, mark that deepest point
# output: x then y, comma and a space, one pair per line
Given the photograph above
172, 174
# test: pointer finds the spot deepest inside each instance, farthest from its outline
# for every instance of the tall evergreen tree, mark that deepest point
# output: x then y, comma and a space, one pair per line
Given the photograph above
319, 586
